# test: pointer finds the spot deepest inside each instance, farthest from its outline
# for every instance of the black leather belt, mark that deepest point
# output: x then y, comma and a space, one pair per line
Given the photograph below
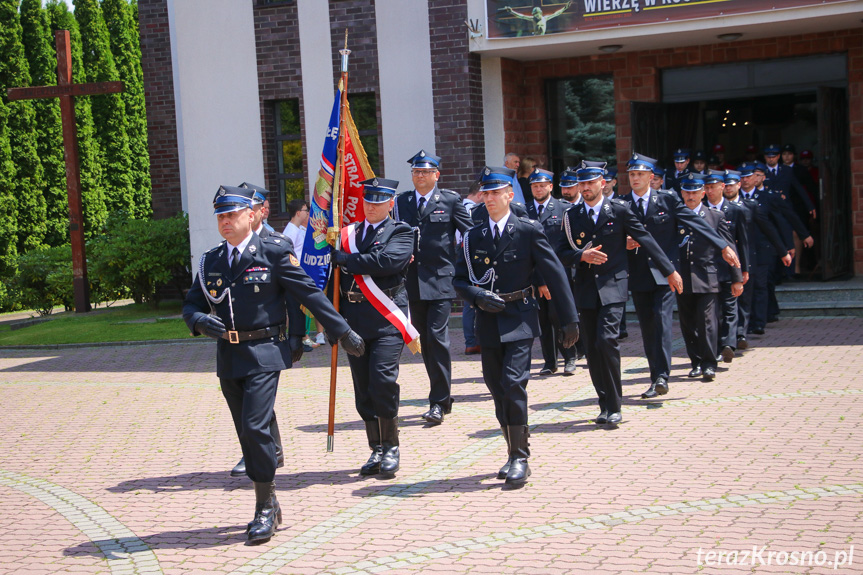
358, 296
517, 295
238, 336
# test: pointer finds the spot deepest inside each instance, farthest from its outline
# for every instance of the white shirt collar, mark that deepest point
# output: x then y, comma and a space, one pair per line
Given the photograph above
717, 206
597, 207
418, 195
501, 225
241, 247
543, 204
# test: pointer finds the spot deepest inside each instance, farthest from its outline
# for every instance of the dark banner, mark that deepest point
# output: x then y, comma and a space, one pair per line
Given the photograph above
515, 18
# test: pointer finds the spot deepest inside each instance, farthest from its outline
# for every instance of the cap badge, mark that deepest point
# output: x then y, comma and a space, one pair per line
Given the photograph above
634, 156
487, 172
375, 182
222, 191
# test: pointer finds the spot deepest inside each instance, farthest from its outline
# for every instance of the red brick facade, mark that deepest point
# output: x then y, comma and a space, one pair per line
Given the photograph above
637, 77
161, 113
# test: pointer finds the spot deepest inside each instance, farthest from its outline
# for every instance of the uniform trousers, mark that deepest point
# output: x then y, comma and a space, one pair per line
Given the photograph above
468, 323
776, 273
251, 401
697, 313
726, 316
758, 313
600, 328
505, 370
744, 304
655, 310
549, 322
431, 320
375, 376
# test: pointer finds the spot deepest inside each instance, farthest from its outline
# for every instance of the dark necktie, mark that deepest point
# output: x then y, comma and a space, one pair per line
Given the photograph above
496, 235
539, 210
641, 209
420, 204
235, 261
590, 215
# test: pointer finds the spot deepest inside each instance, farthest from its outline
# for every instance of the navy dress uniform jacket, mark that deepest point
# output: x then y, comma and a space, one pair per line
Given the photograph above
551, 221
786, 183
665, 211
736, 220
700, 261
522, 248
764, 237
430, 275
384, 257
270, 273
608, 283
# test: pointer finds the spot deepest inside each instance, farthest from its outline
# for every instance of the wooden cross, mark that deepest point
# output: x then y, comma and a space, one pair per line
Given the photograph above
65, 90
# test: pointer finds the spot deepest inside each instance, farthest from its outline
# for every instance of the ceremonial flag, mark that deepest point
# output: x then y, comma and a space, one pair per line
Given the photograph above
316, 250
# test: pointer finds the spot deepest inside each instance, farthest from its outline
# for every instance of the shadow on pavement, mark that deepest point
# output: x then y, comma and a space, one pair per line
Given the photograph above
191, 539
223, 481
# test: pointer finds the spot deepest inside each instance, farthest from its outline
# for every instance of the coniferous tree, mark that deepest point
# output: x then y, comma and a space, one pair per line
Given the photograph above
109, 110
41, 57
126, 50
90, 157
29, 180
8, 208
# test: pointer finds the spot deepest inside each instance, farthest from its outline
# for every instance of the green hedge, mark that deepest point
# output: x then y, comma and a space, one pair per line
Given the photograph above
131, 259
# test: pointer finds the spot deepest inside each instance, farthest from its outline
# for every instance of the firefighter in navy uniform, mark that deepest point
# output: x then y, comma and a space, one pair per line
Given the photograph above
239, 298
436, 214
548, 211
700, 267
493, 273
381, 252
594, 242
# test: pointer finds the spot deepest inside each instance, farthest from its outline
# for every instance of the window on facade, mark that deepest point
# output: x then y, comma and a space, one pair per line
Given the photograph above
364, 112
289, 149
581, 124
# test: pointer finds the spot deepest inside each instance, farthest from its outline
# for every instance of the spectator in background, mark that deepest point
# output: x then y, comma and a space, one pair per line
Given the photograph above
751, 154
719, 152
298, 212
806, 158
265, 210
524, 171
513, 162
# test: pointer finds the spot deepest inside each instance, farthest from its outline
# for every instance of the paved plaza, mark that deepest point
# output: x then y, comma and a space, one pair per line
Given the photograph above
115, 460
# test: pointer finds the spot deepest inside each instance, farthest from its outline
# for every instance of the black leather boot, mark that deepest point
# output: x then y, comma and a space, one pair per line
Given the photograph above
389, 446
277, 437
268, 514
505, 469
373, 465
239, 469
519, 451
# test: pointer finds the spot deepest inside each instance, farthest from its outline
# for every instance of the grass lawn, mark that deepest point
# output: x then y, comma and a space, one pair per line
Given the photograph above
123, 323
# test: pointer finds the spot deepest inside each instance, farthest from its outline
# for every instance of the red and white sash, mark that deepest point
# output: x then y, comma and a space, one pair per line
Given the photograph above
381, 302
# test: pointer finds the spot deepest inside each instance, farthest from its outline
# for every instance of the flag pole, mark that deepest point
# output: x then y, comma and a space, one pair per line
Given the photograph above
338, 215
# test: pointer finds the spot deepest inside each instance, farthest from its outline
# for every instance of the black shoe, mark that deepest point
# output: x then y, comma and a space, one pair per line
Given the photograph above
434, 415
661, 385
757, 330
742, 343
650, 393
623, 335
695, 372
548, 370
389, 446
239, 469
727, 354
615, 418
519, 451
709, 374
501, 474
570, 367
268, 514
373, 433
603, 418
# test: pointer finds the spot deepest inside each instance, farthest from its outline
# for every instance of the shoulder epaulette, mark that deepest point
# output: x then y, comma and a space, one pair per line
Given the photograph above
218, 246
444, 190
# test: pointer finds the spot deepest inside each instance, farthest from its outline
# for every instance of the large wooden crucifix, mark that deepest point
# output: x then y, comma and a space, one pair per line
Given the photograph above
66, 90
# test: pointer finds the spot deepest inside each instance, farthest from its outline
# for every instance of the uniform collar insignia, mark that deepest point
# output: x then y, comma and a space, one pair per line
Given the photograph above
436, 197
484, 231
510, 226
252, 249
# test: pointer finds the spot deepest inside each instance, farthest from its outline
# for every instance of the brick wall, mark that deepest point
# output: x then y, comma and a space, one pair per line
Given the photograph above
161, 118
457, 93
637, 77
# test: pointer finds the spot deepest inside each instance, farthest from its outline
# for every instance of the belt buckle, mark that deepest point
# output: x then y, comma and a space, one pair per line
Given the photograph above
233, 336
